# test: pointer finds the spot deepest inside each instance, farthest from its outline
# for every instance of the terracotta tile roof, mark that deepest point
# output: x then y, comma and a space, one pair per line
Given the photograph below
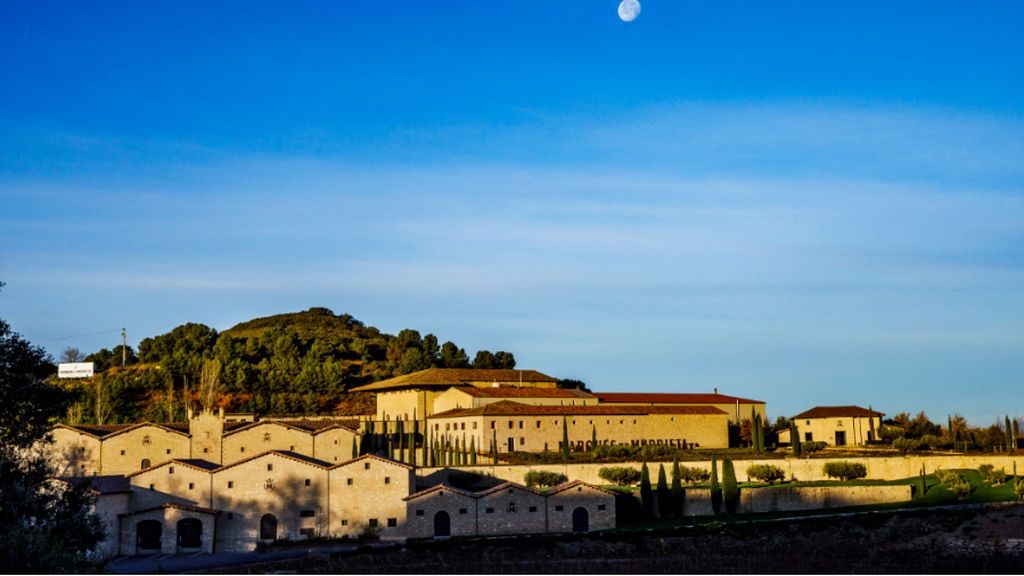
510, 392
371, 457
318, 425
282, 453
101, 484
507, 408
188, 507
438, 488
838, 412
575, 483
642, 398
446, 377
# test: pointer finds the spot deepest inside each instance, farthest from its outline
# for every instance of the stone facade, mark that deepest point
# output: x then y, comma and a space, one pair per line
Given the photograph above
517, 427
738, 409
469, 397
170, 522
509, 508
366, 495
836, 425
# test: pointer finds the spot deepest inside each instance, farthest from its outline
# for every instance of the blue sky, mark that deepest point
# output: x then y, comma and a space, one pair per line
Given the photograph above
802, 202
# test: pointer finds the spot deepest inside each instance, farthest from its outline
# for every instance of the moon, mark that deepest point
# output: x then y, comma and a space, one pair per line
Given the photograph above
629, 10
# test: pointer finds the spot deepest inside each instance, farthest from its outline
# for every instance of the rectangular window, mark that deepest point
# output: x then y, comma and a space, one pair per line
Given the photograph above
808, 437
344, 522
292, 448
511, 424
152, 486
520, 424
558, 508
447, 426
392, 522
348, 481
231, 515
270, 467
168, 450
242, 449
489, 510
374, 523
419, 512
307, 513
366, 466
600, 506
522, 440
122, 451
308, 482
463, 426
191, 485
206, 450
533, 508
474, 425
462, 511
170, 469
538, 423
387, 479
231, 484
492, 424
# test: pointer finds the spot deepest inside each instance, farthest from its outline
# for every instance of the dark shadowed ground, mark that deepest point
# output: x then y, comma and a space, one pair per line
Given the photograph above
980, 540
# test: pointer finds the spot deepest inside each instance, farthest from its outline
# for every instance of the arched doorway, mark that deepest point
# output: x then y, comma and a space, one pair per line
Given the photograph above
147, 535
190, 533
268, 527
145, 463
580, 520
442, 525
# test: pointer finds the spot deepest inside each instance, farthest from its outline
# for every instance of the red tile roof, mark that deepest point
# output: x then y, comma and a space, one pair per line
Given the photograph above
507, 408
644, 398
838, 412
511, 392
447, 377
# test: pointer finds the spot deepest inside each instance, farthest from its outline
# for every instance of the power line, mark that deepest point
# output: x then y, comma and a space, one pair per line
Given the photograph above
82, 335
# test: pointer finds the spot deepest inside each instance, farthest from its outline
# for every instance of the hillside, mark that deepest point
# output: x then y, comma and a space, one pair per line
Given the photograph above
294, 363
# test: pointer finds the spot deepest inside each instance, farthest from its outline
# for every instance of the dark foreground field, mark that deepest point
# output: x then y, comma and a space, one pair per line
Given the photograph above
980, 540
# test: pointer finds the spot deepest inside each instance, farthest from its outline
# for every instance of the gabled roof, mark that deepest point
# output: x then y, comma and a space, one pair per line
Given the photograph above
108, 430
575, 483
371, 457
100, 484
282, 453
188, 507
505, 486
515, 392
838, 412
439, 488
447, 377
195, 463
507, 408
303, 425
687, 398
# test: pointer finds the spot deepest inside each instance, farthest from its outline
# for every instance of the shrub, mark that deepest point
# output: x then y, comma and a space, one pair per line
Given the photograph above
947, 476
615, 451
809, 447
692, 475
845, 470
992, 475
619, 475
1019, 489
960, 488
905, 445
544, 478
931, 441
766, 473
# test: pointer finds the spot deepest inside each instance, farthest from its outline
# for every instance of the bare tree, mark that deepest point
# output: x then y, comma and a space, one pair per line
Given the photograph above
75, 413
209, 384
101, 402
71, 354
169, 400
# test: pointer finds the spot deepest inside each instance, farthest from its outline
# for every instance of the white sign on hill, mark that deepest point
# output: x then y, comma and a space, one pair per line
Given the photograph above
75, 370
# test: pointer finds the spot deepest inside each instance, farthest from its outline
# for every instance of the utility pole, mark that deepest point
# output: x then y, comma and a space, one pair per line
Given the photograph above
124, 348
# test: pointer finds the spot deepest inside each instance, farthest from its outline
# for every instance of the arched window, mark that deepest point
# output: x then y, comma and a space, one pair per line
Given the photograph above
190, 533
147, 535
268, 527
145, 463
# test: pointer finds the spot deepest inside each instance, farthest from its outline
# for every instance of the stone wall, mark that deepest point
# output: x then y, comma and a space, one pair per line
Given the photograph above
791, 499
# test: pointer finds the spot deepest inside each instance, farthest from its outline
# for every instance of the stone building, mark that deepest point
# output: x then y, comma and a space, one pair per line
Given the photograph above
836, 425
522, 427
444, 511
737, 408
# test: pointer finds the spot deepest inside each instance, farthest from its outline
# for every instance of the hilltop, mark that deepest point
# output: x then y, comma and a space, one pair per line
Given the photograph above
312, 323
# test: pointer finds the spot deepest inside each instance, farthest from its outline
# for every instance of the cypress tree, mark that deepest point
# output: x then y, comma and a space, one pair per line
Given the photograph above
1009, 435
593, 438
565, 440
794, 437
758, 434
494, 446
730, 488
716, 490
458, 453
949, 430
664, 499
401, 443
646, 497
412, 450
871, 423
923, 488
677, 489
472, 451
355, 447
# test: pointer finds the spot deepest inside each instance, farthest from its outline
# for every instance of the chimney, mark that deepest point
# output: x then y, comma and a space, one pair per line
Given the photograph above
716, 390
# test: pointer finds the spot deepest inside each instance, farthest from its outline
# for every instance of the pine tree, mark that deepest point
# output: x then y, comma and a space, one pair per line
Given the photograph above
730, 488
646, 497
565, 440
677, 489
716, 490
664, 499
